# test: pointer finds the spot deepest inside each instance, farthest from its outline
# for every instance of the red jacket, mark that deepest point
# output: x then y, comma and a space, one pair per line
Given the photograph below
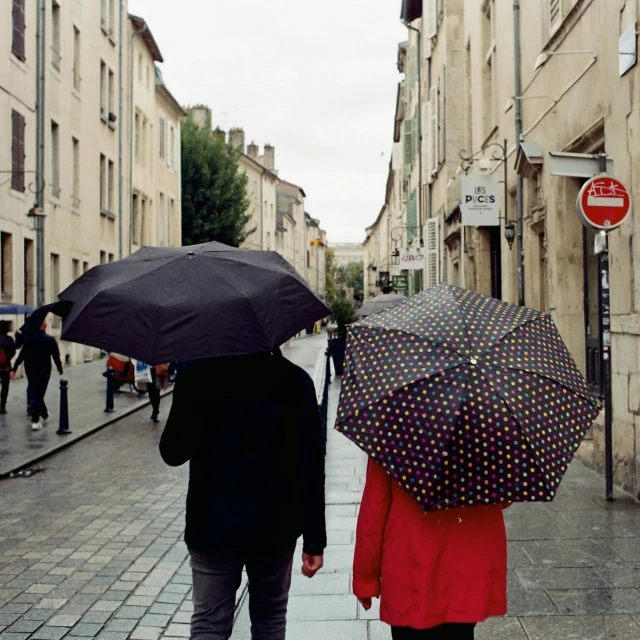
428, 568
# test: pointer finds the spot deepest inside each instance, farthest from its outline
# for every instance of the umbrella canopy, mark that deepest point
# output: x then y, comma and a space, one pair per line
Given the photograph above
170, 304
465, 400
380, 303
15, 309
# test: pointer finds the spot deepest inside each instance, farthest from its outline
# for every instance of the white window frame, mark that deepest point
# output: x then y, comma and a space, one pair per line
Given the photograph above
432, 254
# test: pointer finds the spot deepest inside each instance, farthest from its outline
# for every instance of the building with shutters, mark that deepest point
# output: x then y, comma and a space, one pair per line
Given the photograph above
111, 179
579, 82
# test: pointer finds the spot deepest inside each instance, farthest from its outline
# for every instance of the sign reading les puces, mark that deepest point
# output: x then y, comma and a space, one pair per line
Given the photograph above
480, 204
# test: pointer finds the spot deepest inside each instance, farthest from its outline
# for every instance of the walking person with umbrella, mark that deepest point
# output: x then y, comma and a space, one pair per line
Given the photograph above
464, 404
7, 352
245, 418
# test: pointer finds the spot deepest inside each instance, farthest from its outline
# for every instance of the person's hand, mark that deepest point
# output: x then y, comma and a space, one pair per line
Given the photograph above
311, 565
13, 375
366, 603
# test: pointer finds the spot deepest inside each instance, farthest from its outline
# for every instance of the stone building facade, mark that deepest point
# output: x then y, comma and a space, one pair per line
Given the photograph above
579, 95
87, 188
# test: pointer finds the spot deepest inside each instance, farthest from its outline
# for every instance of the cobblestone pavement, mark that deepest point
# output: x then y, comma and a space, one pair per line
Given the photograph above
92, 546
19, 446
574, 564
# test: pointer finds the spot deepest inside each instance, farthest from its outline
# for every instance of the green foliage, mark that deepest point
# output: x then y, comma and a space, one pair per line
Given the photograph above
352, 277
330, 275
214, 192
342, 313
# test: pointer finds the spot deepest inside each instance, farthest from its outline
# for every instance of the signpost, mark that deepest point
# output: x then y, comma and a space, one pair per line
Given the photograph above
603, 204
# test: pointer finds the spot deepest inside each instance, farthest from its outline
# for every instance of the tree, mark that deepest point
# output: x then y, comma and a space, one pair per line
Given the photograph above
214, 192
352, 277
330, 275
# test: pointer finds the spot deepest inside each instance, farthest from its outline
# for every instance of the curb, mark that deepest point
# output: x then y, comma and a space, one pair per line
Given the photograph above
65, 444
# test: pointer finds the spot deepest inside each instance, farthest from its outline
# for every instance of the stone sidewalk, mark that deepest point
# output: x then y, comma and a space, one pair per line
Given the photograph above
574, 564
20, 447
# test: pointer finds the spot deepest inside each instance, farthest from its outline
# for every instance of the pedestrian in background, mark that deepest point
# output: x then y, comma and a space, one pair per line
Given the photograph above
20, 339
7, 352
250, 428
159, 382
37, 353
437, 574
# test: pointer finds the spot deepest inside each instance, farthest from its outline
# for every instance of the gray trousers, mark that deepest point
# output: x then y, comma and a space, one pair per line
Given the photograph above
217, 578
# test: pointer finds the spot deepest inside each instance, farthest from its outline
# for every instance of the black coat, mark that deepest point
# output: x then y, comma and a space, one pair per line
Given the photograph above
250, 427
37, 353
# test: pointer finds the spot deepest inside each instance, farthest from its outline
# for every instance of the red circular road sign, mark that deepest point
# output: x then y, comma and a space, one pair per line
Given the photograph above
603, 203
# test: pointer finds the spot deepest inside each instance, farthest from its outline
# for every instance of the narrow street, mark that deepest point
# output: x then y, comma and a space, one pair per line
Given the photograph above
91, 547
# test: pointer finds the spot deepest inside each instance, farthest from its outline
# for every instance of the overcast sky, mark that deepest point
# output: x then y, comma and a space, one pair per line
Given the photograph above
317, 80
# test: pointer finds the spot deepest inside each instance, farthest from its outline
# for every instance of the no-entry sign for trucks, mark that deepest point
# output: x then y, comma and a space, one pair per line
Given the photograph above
603, 203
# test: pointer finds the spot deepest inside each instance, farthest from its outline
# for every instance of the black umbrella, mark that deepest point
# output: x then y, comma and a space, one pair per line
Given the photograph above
170, 304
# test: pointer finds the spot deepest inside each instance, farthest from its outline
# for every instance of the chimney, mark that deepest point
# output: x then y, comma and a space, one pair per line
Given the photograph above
236, 137
269, 157
201, 116
253, 151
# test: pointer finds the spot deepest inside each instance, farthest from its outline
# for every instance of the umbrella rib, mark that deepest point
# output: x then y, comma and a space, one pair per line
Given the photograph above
506, 335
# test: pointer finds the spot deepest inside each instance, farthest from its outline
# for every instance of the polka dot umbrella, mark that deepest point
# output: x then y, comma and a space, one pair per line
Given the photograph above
465, 400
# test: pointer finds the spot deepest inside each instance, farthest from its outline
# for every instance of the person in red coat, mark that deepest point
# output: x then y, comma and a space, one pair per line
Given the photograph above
437, 574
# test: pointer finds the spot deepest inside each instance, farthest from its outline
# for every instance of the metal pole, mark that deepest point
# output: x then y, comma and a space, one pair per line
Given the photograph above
519, 185
63, 424
41, 59
110, 405
121, 134
604, 300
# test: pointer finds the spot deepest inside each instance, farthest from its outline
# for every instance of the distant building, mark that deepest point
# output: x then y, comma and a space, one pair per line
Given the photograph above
346, 253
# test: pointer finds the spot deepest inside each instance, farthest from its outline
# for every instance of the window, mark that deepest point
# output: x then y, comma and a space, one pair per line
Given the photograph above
268, 240
17, 151
111, 257
143, 222
76, 58
162, 220
145, 138
111, 187
85, 267
111, 96
175, 232
19, 26
103, 183
103, 257
55, 275
555, 15
104, 90
162, 137
112, 21
55, 35
137, 135
6, 265
104, 15
55, 160
490, 72
140, 67
135, 220
75, 186
148, 77
29, 273
172, 146
75, 269
408, 142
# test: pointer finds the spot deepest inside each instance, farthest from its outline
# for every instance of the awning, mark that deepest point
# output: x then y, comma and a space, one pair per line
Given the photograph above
411, 10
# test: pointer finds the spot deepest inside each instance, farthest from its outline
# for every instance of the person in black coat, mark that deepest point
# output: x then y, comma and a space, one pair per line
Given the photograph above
250, 428
37, 353
7, 352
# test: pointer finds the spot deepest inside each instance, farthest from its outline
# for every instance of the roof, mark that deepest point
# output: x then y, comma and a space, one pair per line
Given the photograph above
139, 24
244, 156
284, 183
162, 87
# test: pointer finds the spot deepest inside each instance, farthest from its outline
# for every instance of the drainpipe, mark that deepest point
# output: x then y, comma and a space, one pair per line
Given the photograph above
131, 135
41, 61
120, 130
519, 183
419, 135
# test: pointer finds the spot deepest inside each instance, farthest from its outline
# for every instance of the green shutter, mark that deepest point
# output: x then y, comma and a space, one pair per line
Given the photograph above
412, 216
408, 142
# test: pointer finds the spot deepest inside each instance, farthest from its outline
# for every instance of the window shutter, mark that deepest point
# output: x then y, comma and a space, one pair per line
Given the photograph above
17, 151
18, 43
431, 18
426, 143
555, 14
432, 254
433, 130
408, 142
411, 216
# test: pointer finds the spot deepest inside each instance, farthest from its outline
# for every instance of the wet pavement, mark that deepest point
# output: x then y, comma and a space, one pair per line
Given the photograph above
92, 547
19, 446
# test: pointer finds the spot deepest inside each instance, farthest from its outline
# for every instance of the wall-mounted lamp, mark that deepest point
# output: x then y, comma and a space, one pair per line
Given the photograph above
545, 55
510, 232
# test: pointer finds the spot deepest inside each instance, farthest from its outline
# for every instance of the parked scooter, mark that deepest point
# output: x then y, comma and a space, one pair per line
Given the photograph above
124, 373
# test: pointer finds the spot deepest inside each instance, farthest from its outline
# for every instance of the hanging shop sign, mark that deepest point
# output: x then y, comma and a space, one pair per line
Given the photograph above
480, 204
412, 258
